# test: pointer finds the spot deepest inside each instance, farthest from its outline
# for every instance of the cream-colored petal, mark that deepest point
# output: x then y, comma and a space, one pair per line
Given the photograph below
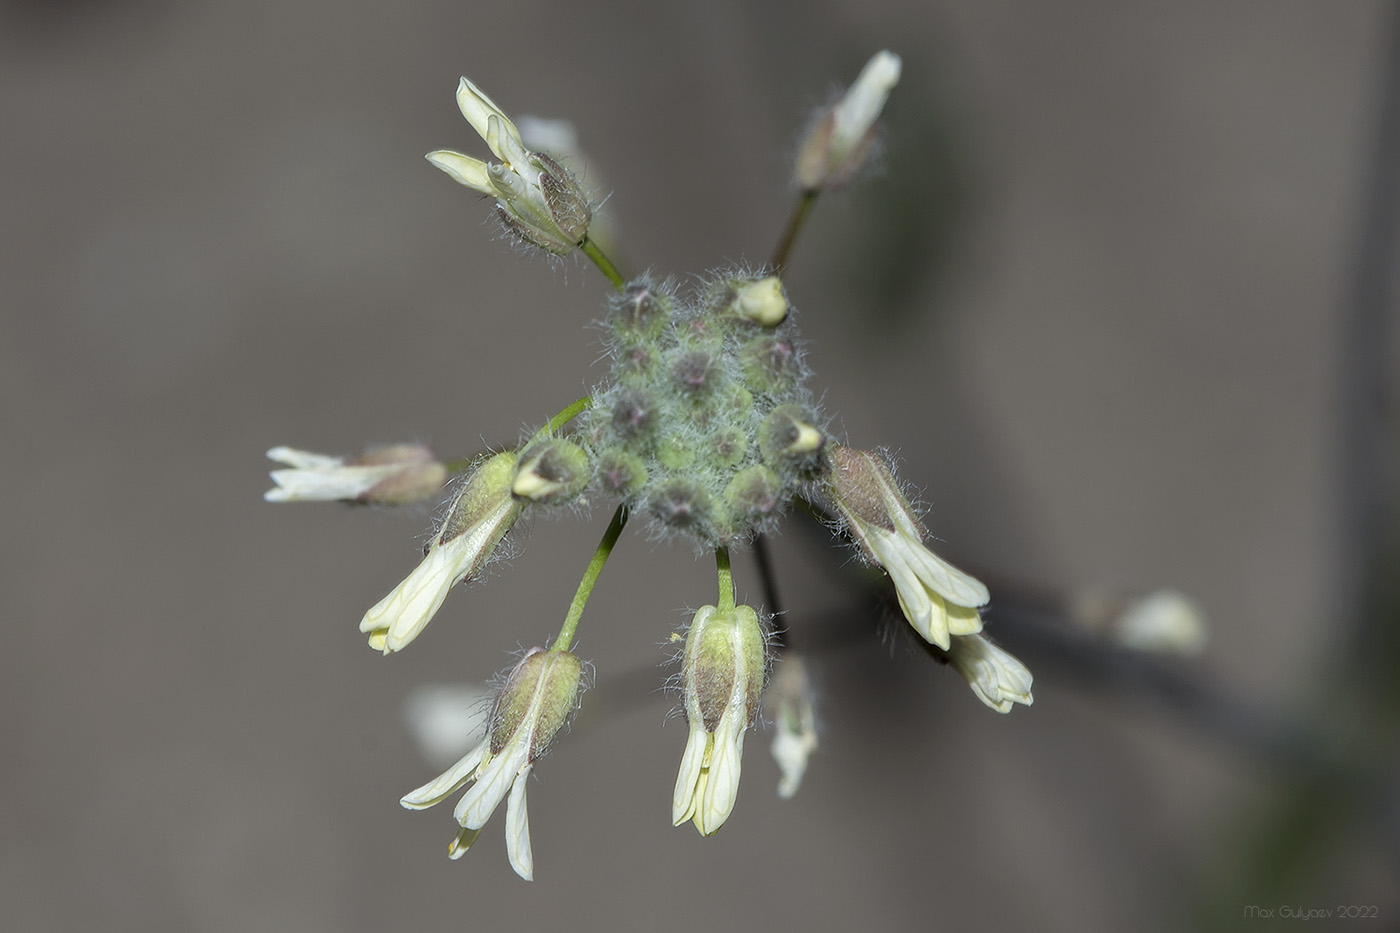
447, 783
479, 109
400, 616
940, 576
464, 170
522, 859
304, 459
683, 801
722, 784
493, 781
326, 484
996, 676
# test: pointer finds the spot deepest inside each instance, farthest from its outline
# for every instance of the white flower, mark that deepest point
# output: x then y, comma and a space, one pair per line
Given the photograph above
538, 199
401, 473
538, 696
789, 701
708, 782
996, 676
722, 678
843, 135
938, 599
483, 511
1164, 621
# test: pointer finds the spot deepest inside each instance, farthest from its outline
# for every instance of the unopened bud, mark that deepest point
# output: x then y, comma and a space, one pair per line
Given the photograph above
843, 135
681, 503
769, 364
621, 473
693, 371
761, 301
753, 492
640, 311
551, 470
785, 438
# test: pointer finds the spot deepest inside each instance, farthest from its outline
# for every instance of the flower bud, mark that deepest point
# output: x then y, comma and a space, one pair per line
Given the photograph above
478, 518
753, 492
786, 439
761, 301
843, 135
642, 310
681, 503
769, 364
692, 371
551, 470
633, 412
722, 672
621, 473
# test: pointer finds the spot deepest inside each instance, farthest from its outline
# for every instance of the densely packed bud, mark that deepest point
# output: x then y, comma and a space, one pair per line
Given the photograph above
479, 516
394, 475
551, 470
938, 599
536, 198
843, 135
535, 702
722, 671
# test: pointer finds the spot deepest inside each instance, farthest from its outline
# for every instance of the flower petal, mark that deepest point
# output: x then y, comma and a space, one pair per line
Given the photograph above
688, 781
522, 859
493, 782
407, 609
479, 109
445, 784
464, 170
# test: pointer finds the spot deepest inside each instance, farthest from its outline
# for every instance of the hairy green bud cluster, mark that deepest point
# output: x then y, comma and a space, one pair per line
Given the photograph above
706, 425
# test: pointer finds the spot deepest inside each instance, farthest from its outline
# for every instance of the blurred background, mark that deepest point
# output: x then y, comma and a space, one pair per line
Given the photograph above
1117, 297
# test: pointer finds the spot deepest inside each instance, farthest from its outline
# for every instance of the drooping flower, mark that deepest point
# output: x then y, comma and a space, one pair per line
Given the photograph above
392, 475
722, 671
789, 701
537, 198
481, 514
938, 599
997, 677
533, 705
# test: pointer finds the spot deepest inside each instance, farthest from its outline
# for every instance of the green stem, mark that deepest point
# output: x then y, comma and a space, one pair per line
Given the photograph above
726, 580
571, 412
604, 264
590, 577
800, 210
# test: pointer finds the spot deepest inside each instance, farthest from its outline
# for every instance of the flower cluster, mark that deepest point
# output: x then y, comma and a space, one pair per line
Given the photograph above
705, 426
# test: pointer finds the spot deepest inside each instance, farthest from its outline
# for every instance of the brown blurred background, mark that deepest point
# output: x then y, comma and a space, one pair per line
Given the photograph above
1096, 300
